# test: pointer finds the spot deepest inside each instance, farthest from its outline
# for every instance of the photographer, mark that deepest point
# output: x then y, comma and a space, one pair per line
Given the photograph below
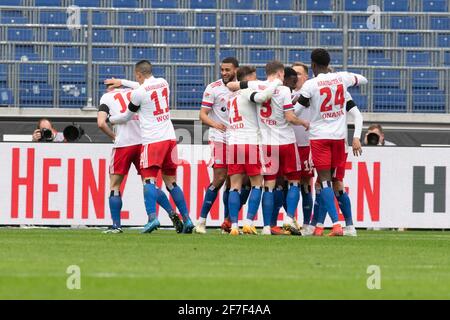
375, 136
45, 132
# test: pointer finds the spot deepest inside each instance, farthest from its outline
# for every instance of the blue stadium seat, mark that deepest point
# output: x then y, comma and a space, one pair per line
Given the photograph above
386, 78
389, 100
323, 22
359, 22
189, 96
72, 95
52, 17
176, 37
110, 71
101, 35
59, 35
20, 34
370, 39
356, 5
425, 79
331, 39
138, 54
33, 72
6, 97
131, 19
300, 55
188, 75
105, 54
203, 4
360, 100
444, 40
292, 38
377, 58
224, 53
403, 22
98, 18
396, 5
87, 3
14, 20
39, 95
261, 73
418, 59
183, 55
447, 58
170, 19
125, 4
261, 55
285, 21
47, 3
72, 73
66, 53
435, 6
248, 21
159, 72
25, 52
254, 38
241, 4
316, 5
439, 23
429, 101
410, 40
209, 37
136, 36
165, 4
280, 5
337, 58
11, 2
205, 19
3, 73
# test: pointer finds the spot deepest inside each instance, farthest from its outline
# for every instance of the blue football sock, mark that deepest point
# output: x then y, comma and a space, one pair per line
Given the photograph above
322, 213
315, 215
307, 204
210, 198
150, 196
115, 206
164, 202
285, 193
245, 193
327, 196
345, 206
180, 201
278, 195
226, 194
267, 204
234, 205
254, 202
292, 199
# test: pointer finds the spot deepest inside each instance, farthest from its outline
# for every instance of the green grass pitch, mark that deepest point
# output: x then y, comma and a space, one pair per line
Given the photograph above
165, 265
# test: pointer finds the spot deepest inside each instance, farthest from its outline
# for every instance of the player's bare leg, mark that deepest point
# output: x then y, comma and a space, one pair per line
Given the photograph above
115, 203
345, 206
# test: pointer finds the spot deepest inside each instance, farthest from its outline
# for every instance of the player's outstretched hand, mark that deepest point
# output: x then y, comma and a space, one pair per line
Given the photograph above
116, 83
357, 149
306, 124
234, 86
221, 127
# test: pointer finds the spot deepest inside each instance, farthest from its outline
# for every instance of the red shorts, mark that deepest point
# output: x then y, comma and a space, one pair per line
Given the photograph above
160, 155
339, 174
243, 159
218, 154
306, 162
328, 154
281, 160
122, 158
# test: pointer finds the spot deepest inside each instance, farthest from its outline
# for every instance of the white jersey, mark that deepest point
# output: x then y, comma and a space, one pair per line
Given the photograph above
326, 94
154, 113
127, 134
216, 98
244, 128
275, 130
301, 135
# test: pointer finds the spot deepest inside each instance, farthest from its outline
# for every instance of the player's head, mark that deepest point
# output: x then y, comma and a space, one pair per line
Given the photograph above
246, 73
374, 135
143, 70
290, 78
228, 69
320, 60
302, 71
275, 69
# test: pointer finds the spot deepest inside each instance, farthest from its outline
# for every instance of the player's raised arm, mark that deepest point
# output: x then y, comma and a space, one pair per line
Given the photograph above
207, 103
102, 116
117, 83
288, 109
133, 107
354, 79
353, 110
263, 96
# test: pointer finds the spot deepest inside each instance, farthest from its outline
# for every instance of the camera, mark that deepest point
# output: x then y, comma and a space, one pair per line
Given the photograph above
373, 139
46, 135
73, 133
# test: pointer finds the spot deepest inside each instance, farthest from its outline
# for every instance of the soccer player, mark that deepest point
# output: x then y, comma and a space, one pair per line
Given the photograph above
280, 153
159, 146
325, 95
214, 113
243, 149
127, 150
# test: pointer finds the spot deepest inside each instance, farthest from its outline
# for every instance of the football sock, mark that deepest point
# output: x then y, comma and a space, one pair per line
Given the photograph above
226, 194
345, 206
163, 201
278, 196
210, 197
234, 205
150, 196
180, 201
327, 196
267, 204
245, 193
115, 206
254, 202
292, 199
307, 204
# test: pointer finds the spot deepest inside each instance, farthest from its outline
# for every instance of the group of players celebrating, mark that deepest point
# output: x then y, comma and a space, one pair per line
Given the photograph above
266, 137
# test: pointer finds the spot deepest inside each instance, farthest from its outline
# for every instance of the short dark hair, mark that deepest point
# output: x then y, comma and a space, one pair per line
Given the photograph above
301, 64
245, 71
321, 57
273, 67
231, 60
144, 67
289, 72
